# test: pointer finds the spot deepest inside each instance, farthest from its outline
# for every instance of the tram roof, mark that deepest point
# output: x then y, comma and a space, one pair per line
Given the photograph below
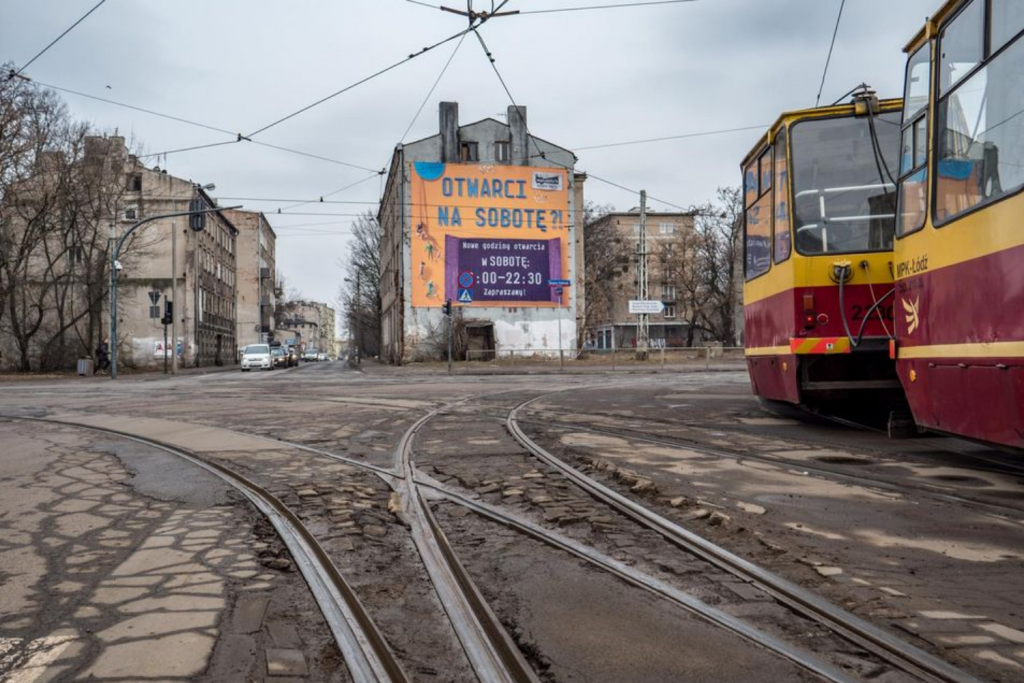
812, 113
930, 26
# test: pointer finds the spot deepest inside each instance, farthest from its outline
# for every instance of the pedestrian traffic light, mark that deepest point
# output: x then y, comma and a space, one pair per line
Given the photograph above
168, 313
196, 220
448, 307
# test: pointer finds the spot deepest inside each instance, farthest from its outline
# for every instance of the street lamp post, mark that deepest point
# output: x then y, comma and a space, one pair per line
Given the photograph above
354, 328
115, 266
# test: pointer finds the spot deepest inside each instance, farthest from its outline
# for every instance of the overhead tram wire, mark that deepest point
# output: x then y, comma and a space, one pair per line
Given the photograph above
357, 83
433, 87
329, 194
831, 47
622, 5
197, 124
667, 138
55, 41
542, 155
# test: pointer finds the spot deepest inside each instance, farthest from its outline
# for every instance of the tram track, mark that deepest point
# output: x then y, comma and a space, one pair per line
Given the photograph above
366, 652
899, 653
933, 492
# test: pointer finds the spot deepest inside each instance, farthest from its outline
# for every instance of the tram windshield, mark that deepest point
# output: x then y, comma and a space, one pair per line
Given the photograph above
844, 190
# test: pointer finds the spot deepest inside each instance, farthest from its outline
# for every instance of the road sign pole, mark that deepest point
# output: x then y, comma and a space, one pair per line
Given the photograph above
165, 337
449, 344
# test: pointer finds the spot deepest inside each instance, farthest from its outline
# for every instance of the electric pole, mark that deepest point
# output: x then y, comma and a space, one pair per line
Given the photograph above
643, 336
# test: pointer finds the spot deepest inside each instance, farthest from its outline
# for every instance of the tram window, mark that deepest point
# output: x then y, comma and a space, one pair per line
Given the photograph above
750, 192
782, 242
981, 136
765, 164
1007, 20
843, 198
758, 237
962, 45
915, 95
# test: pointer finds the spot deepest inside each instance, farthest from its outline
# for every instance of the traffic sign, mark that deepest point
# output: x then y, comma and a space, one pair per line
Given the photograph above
467, 280
154, 297
640, 306
465, 296
559, 283
558, 291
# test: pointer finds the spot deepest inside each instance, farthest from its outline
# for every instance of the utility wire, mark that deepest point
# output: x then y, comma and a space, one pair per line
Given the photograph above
417, 2
56, 40
433, 87
671, 137
828, 59
490, 58
358, 83
199, 124
595, 7
329, 194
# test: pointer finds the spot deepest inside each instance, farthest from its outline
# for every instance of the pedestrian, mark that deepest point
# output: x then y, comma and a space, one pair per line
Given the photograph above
102, 356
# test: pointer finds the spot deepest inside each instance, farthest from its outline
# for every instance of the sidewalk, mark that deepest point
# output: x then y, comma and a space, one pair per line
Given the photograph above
126, 374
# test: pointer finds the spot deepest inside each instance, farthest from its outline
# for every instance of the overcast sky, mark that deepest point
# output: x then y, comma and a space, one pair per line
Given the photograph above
587, 77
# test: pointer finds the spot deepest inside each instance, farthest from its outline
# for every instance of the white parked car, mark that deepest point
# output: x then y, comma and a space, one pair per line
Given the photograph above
311, 355
322, 356
257, 356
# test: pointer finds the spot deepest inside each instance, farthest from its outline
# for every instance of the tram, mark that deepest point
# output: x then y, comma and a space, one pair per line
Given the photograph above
820, 207
959, 248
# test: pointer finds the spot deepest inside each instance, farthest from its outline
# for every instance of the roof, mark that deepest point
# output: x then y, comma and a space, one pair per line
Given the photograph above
789, 117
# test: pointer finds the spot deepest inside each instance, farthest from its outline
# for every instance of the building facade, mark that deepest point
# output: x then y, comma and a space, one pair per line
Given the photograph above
202, 261
487, 216
669, 236
256, 263
309, 325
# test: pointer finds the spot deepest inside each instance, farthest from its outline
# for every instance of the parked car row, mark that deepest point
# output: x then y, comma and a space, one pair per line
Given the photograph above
314, 356
267, 357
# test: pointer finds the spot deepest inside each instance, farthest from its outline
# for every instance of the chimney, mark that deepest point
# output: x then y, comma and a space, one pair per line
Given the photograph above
520, 135
449, 132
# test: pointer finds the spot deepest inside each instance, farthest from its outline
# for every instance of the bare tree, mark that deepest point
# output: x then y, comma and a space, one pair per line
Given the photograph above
603, 256
359, 293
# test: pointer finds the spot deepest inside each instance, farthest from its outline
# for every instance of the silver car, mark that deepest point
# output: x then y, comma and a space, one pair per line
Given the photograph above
257, 357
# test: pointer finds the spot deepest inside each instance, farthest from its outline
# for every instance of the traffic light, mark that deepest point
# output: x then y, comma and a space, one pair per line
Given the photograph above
448, 307
196, 220
168, 313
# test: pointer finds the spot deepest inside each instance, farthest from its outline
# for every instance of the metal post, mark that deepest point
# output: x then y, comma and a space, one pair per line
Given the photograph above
359, 328
174, 298
561, 354
165, 338
662, 356
449, 344
642, 324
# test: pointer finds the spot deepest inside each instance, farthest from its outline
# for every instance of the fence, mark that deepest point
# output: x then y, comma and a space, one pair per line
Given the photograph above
682, 357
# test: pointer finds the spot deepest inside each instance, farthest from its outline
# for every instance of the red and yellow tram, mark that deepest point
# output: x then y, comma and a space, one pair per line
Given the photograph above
820, 207
959, 249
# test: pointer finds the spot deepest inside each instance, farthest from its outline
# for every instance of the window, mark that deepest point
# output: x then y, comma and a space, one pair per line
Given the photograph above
668, 292
670, 311
131, 213
783, 244
980, 125
502, 151
1007, 21
134, 183
843, 195
911, 200
667, 228
469, 151
758, 225
962, 45
636, 228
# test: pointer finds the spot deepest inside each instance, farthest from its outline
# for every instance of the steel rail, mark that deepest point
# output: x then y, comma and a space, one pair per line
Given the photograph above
488, 647
930, 491
641, 580
901, 654
367, 655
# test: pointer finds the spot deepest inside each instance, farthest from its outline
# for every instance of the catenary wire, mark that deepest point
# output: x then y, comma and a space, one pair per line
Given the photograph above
670, 137
329, 194
198, 124
623, 5
358, 83
831, 46
512, 99
57, 39
433, 88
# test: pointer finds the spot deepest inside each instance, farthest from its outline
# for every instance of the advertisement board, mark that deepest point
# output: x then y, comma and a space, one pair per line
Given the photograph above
488, 235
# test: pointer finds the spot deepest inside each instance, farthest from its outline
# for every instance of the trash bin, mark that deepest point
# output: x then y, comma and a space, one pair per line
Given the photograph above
84, 367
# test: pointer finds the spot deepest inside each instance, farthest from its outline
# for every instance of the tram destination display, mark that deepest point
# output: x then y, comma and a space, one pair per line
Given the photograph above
488, 235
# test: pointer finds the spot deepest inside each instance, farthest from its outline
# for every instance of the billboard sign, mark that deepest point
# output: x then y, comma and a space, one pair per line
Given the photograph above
650, 307
488, 235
